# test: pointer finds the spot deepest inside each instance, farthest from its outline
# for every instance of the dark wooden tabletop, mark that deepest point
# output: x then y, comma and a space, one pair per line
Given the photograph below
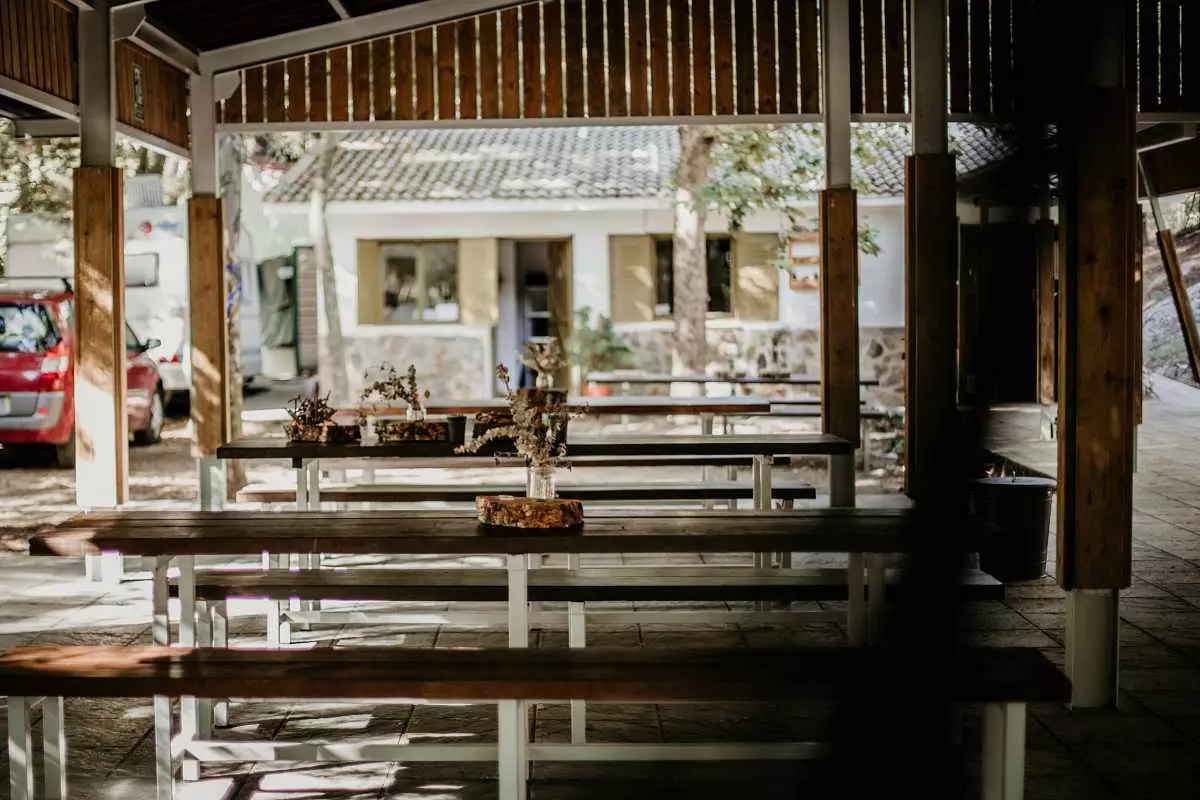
661, 445
165, 533
795, 379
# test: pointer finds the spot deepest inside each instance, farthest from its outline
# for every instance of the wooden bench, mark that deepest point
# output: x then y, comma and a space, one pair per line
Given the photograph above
1004, 680
674, 491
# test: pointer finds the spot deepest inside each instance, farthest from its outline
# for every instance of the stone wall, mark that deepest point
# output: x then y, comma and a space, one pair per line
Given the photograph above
451, 368
797, 350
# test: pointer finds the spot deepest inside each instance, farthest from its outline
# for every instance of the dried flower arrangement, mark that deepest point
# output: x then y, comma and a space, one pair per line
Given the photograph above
389, 385
544, 356
537, 428
312, 421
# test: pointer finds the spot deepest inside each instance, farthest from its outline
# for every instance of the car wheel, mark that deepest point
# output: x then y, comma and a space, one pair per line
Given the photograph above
64, 454
152, 433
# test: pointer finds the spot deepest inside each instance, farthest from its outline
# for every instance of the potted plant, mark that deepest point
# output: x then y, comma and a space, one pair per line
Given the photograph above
597, 349
391, 386
312, 421
537, 428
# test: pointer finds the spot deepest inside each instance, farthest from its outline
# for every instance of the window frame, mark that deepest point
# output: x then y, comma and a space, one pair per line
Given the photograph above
419, 246
728, 237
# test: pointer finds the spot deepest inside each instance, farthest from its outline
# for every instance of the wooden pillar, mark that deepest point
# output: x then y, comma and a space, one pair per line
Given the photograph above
1045, 234
931, 262
838, 216
101, 427
208, 355
839, 313
1098, 379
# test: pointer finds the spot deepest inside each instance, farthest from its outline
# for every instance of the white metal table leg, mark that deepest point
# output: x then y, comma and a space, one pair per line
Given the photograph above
856, 611
189, 707
577, 637
212, 483
513, 714
54, 748
164, 765
20, 749
219, 623
1003, 751
314, 503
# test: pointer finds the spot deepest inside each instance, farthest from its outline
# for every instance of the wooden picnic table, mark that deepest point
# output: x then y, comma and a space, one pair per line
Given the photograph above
643, 405
305, 457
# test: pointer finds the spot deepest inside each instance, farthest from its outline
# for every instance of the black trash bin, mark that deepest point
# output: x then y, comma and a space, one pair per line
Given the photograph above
1018, 508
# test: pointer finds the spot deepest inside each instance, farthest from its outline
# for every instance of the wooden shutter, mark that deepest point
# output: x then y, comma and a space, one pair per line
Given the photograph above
478, 281
755, 276
370, 283
632, 278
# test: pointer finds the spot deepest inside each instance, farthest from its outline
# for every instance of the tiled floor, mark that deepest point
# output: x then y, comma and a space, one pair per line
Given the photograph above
1147, 748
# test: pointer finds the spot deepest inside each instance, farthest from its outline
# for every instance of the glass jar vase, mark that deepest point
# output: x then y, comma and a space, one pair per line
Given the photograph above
541, 483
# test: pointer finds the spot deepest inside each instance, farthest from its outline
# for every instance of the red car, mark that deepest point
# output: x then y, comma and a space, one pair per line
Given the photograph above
37, 403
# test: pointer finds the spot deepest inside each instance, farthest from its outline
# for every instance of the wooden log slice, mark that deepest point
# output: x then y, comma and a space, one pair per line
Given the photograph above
296, 432
391, 431
341, 434
506, 511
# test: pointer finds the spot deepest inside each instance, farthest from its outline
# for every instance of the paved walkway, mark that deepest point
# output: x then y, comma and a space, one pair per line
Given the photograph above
1148, 748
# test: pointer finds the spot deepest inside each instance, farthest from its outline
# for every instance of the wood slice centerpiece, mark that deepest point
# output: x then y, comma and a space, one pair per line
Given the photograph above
392, 431
506, 511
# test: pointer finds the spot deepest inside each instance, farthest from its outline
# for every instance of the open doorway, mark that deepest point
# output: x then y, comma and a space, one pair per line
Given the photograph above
535, 300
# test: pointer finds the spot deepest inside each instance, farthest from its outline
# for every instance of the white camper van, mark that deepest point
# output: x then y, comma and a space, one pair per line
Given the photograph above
156, 283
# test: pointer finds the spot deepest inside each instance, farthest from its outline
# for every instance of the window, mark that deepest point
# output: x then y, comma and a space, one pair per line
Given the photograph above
720, 271
420, 282
26, 328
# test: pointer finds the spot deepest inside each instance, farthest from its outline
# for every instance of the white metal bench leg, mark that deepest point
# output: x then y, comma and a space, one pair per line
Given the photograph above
189, 707
856, 606
513, 750
20, 749
164, 764
219, 622
577, 637
1004, 751
54, 748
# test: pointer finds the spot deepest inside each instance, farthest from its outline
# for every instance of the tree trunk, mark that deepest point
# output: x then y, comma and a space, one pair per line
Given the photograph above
690, 273
336, 382
232, 158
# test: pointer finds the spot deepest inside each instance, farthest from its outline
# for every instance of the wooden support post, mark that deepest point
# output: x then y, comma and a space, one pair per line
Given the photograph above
101, 427
210, 382
839, 313
1098, 380
930, 312
1047, 310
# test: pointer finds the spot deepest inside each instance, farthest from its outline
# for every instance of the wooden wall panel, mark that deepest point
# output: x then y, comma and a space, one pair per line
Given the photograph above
37, 45
838, 224
764, 29
531, 59
743, 59
318, 88
252, 79
297, 83
510, 64
597, 90
639, 77
276, 99
162, 109
381, 79
873, 53
660, 64
895, 53
980, 57
618, 90
789, 58
468, 88
723, 57
1001, 84
1189, 31
447, 89
339, 84
681, 58
489, 67
856, 59
360, 81
573, 36
231, 107
423, 44
402, 54
810, 69
1169, 66
959, 46
1147, 33
552, 89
